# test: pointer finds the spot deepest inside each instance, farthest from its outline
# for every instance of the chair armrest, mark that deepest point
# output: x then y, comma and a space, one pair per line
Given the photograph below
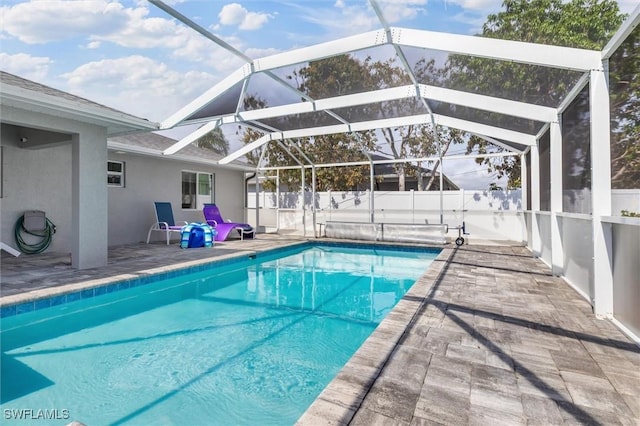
212, 223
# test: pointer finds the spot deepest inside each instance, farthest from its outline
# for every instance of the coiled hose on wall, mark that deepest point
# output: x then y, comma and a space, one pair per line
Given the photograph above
46, 236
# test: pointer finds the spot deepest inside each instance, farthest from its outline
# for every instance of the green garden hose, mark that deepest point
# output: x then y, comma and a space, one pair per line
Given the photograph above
46, 236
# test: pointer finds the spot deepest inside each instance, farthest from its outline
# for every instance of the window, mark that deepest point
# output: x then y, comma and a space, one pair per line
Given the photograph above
115, 173
197, 189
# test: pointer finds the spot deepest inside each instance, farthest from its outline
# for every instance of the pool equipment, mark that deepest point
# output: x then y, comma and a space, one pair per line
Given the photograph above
461, 231
197, 235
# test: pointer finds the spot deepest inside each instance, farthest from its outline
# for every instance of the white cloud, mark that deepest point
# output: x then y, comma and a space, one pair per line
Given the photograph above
96, 20
44, 21
396, 10
340, 20
261, 53
138, 85
100, 22
232, 14
235, 14
485, 6
347, 18
27, 66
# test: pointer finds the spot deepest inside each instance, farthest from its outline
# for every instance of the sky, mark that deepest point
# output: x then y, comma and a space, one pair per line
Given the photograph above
134, 57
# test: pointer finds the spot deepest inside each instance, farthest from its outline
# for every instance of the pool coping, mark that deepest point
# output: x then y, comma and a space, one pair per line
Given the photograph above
339, 401
34, 300
43, 298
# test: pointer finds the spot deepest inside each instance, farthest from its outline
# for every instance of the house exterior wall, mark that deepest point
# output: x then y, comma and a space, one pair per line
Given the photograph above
149, 179
53, 147
42, 179
36, 179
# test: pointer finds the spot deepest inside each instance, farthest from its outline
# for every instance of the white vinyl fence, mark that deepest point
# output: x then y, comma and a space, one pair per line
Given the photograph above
576, 247
488, 215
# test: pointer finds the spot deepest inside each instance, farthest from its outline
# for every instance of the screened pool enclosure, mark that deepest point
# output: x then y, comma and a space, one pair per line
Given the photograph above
563, 118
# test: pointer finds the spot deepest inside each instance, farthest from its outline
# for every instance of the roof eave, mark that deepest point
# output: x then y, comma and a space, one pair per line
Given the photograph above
116, 122
150, 152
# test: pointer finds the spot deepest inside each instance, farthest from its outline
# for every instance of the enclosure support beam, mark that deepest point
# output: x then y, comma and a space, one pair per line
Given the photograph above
536, 242
277, 200
555, 200
523, 182
313, 199
262, 155
257, 202
601, 192
304, 212
371, 188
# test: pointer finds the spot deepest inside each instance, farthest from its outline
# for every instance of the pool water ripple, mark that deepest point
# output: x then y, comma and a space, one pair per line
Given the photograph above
250, 343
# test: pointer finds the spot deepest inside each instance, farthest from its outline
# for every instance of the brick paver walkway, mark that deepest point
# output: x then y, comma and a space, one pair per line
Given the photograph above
492, 339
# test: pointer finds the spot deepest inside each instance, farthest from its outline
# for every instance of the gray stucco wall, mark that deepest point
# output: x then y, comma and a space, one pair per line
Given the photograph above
41, 179
36, 179
149, 179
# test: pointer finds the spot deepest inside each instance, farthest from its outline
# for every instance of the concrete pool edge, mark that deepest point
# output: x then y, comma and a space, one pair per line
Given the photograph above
339, 401
11, 303
43, 298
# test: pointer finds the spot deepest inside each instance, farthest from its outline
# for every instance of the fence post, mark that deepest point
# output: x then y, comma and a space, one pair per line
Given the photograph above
413, 207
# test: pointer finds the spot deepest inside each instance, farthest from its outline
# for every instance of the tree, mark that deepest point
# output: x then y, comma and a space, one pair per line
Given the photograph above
624, 83
344, 75
320, 149
319, 79
214, 141
411, 141
584, 24
406, 141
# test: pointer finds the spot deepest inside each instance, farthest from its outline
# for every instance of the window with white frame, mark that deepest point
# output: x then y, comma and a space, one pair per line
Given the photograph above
197, 189
115, 173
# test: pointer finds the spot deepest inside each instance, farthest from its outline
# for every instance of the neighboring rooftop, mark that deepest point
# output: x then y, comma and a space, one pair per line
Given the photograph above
152, 143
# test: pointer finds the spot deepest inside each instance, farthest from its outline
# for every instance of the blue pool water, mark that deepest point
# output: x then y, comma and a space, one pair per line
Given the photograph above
253, 342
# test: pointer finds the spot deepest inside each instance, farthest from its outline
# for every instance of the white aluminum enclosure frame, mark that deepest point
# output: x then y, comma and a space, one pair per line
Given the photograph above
593, 65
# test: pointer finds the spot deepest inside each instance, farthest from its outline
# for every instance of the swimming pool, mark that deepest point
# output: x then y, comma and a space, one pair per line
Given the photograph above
251, 342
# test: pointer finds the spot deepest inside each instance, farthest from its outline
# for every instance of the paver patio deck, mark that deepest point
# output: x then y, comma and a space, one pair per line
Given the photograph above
486, 336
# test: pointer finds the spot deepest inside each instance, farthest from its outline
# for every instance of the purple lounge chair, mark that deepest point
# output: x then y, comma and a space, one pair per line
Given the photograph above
164, 221
214, 218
